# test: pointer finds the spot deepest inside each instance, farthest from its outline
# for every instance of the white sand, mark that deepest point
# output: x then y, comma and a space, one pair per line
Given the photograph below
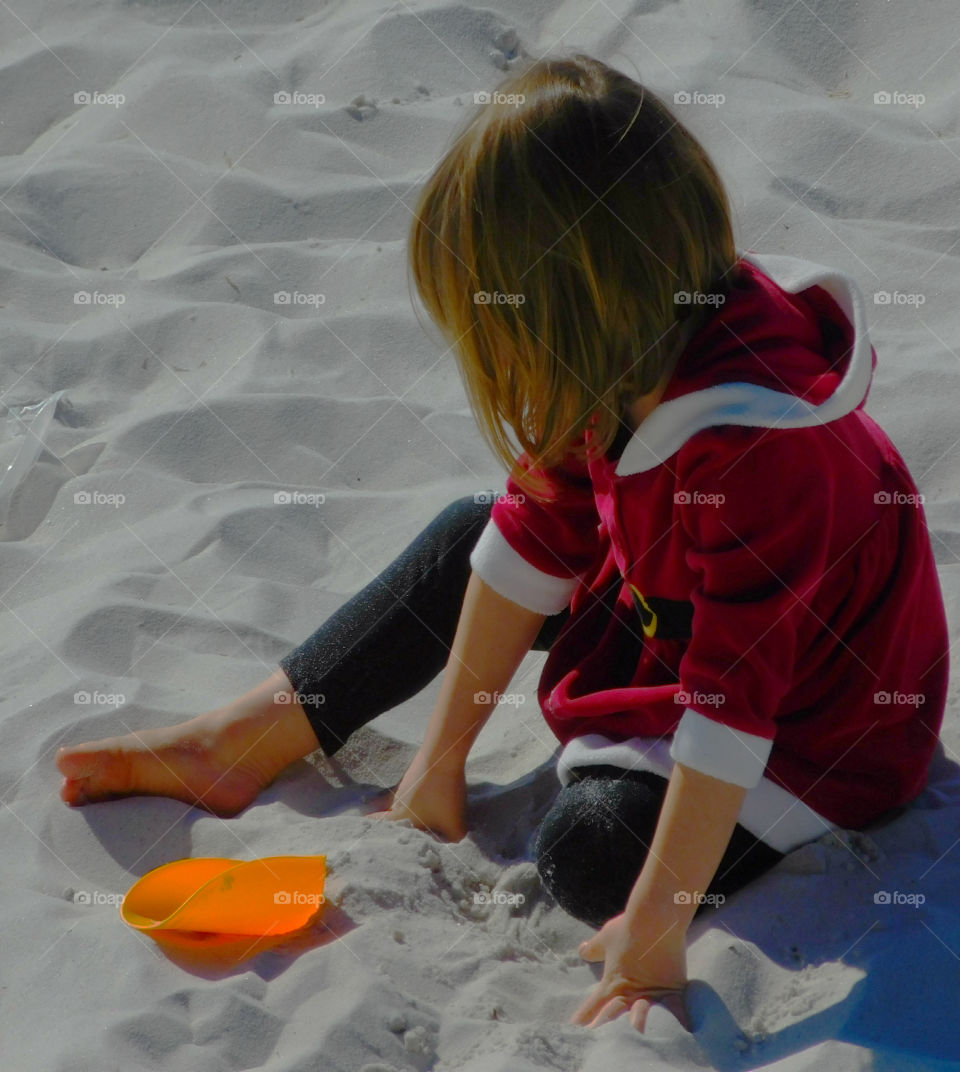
199, 397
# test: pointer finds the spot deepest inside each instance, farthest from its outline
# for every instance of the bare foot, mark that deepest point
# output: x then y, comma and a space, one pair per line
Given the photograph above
220, 760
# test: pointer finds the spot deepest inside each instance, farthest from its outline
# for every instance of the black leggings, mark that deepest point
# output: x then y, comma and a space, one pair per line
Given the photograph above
394, 636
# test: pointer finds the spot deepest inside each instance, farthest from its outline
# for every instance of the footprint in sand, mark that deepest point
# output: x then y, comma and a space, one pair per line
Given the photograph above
507, 49
362, 107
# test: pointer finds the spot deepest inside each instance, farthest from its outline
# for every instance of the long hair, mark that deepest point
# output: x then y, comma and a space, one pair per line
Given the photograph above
548, 246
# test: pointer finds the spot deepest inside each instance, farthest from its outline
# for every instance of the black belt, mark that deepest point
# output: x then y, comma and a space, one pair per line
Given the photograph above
667, 619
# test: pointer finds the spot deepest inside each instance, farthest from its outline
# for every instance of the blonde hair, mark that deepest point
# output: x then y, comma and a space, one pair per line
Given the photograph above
548, 244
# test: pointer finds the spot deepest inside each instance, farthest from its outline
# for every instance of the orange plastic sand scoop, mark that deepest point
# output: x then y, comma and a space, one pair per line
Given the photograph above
272, 896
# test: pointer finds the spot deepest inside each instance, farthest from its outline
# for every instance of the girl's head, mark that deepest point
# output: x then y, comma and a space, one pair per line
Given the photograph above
548, 245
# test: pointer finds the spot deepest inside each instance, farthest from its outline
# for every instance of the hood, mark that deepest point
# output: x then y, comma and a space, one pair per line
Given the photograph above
787, 349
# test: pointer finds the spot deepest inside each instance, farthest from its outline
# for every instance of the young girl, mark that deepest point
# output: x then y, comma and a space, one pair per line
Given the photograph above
724, 556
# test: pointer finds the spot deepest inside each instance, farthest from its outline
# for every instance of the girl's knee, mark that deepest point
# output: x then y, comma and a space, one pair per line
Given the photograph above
459, 516
470, 507
587, 855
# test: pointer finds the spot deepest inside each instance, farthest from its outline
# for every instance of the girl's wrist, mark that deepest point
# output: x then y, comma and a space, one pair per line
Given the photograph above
442, 759
667, 909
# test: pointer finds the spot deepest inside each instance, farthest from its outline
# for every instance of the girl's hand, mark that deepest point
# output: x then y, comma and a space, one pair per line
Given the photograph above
432, 797
642, 964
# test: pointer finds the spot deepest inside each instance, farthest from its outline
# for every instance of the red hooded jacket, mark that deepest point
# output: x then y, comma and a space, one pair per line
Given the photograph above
751, 585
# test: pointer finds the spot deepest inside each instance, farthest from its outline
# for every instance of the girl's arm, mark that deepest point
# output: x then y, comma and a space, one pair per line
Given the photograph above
696, 821
644, 948
493, 635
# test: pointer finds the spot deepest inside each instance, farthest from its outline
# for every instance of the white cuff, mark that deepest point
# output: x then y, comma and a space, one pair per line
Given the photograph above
719, 750
770, 812
635, 754
510, 574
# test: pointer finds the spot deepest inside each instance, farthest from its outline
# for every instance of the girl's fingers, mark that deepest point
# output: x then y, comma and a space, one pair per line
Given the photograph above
673, 1002
616, 1006
638, 1014
592, 950
603, 1006
584, 1013
591, 1007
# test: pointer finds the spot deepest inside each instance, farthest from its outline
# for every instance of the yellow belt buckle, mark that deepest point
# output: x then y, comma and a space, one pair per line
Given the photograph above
651, 629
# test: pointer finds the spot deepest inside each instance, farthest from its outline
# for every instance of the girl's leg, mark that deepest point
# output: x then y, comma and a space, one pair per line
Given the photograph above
594, 840
380, 648
393, 637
